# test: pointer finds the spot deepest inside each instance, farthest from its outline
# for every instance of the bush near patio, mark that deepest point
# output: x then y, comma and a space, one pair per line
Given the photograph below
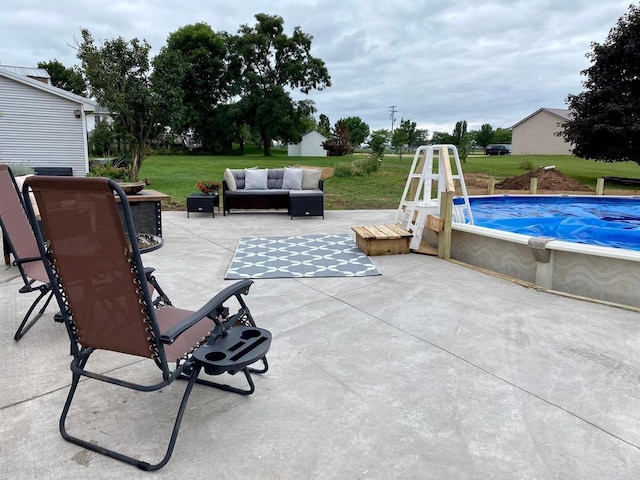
176, 175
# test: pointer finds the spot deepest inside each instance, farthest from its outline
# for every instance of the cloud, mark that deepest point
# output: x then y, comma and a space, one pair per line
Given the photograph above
484, 61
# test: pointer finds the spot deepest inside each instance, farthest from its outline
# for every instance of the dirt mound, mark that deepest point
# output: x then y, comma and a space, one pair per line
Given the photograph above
548, 179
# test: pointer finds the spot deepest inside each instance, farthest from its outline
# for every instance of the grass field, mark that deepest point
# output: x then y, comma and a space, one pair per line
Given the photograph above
176, 175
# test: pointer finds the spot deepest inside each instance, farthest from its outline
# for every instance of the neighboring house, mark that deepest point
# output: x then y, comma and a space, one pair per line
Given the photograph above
39, 74
535, 134
310, 146
41, 125
99, 115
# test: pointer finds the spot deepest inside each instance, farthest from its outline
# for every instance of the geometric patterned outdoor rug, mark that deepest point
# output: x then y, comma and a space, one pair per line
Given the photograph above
300, 256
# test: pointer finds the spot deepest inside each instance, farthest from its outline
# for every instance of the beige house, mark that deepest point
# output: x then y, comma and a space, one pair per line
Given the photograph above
535, 134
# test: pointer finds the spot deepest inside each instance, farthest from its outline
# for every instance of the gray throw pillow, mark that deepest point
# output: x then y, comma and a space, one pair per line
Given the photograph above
292, 179
255, 179
311, 179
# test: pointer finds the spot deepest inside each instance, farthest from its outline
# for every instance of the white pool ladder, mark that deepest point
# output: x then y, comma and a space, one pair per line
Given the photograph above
412, 212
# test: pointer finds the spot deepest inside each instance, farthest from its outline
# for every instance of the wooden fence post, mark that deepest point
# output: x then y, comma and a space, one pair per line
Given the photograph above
446, 214
534, 186
600, 186
491, 186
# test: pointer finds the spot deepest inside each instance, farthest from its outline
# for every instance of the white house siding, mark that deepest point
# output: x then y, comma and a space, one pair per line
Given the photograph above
294, 150
40, 128
310, 146
535, 135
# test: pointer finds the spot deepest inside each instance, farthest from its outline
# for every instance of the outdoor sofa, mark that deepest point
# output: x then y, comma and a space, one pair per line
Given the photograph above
273, 188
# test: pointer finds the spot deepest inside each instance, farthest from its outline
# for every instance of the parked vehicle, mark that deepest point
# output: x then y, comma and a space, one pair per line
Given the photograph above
498, 150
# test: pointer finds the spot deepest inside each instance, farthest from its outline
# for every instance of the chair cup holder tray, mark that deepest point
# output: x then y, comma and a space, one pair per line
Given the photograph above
234, 350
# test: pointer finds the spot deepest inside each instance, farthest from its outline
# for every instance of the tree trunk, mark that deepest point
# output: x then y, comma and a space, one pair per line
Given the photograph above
136, 162
267, 143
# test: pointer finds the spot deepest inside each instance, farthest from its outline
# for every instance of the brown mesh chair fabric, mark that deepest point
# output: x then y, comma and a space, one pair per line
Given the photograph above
18, 236
82, 224
14, 218
102, 290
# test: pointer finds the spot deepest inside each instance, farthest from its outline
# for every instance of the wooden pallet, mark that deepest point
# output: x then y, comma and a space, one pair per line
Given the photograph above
382, 239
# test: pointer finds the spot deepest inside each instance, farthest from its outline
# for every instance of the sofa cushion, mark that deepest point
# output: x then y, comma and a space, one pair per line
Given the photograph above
292, 178
274, 178
230, 179
239, 177
255, 179
311, 178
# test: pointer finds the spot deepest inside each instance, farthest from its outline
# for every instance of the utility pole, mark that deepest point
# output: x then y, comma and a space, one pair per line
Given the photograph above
393, 111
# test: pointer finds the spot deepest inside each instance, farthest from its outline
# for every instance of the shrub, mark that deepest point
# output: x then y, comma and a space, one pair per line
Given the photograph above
113, 169
526, 164
22, 169
344, 169
358, 167
367, 165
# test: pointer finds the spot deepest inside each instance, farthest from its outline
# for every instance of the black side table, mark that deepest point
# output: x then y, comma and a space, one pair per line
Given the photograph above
306, 203
199, 202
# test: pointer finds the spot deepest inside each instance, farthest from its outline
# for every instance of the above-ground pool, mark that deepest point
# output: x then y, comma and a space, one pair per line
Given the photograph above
593, 220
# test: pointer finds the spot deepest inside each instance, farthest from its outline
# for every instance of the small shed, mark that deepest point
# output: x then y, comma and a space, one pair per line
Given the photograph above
535, 134
41, 125
310, 146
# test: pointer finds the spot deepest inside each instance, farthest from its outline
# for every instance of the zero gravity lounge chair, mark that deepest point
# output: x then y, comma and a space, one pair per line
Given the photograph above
104, 297
18, 236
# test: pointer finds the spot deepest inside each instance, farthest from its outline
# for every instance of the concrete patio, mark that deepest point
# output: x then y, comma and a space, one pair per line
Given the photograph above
430, 370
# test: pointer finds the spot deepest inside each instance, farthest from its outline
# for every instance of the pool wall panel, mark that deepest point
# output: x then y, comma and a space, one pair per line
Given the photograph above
593, 275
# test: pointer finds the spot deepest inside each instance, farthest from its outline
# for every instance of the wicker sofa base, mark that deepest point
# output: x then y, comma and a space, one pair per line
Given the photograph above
256, 202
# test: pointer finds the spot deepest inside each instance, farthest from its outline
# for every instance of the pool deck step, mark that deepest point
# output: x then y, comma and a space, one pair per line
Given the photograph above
382, 239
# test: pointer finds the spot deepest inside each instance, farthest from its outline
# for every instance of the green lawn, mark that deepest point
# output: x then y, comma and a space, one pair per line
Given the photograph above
176, 175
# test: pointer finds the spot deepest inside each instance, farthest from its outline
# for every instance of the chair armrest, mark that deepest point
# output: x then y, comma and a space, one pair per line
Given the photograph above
240, 287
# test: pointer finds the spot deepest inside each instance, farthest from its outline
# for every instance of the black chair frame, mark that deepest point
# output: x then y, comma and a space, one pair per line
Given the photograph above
236, 335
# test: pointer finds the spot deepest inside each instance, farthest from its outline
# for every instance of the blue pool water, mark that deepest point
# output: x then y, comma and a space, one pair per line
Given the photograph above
605, 221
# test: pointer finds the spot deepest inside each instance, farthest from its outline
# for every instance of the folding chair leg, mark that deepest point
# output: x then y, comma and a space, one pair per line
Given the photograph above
119, 456
24, 326
229, 388
263, 369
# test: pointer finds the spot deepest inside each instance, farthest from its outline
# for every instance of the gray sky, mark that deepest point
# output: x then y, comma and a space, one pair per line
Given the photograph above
437, 61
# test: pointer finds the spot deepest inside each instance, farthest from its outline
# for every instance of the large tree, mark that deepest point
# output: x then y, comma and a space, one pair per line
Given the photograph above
378, 141
407, 135
605, 122
69, 79
324, 125
200, 60
421, 138
462, 140
358, 130
502, 135
273, 115
399, 140
272, 64
484, 136
118, 72
459, 132
340, 142
441, 138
